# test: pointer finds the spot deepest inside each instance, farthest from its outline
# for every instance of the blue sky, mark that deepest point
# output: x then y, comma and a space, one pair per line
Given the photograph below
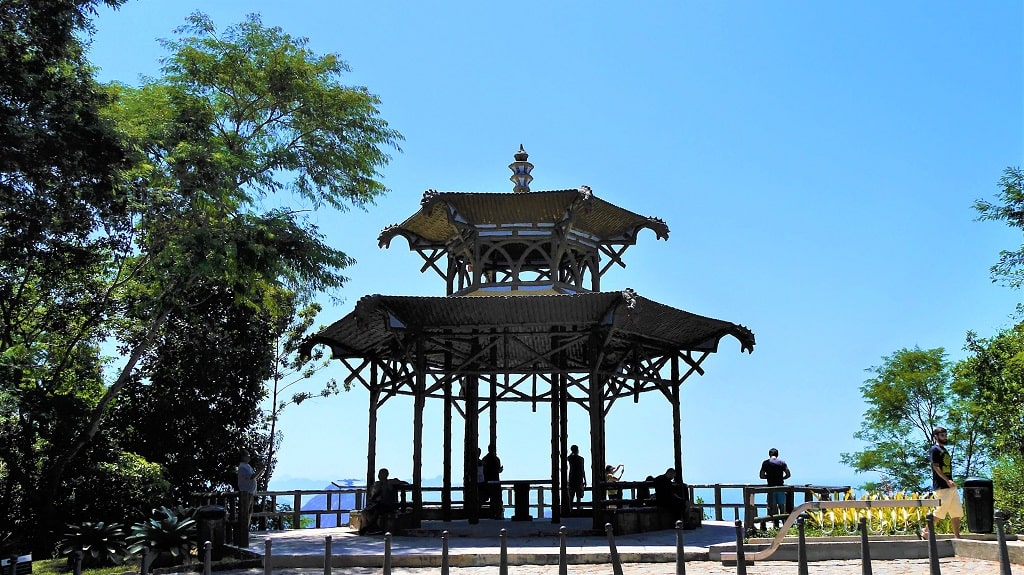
816, 163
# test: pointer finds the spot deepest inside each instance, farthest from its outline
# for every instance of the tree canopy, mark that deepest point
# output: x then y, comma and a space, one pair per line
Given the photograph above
1008, 207
142, 222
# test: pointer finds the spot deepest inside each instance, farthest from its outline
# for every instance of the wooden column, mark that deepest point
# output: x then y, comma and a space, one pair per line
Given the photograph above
417, 431
493, 404
471, 495
563, 432
556, 452
446, 490
597, 446
677, 435
371, 430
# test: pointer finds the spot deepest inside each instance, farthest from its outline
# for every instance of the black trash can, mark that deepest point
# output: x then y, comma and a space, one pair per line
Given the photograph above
978, 504
211, 521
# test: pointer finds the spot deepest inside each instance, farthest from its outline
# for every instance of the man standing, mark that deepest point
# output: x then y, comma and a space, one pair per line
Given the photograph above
942, 482
492, 474
246, 492
577, 476
775, 472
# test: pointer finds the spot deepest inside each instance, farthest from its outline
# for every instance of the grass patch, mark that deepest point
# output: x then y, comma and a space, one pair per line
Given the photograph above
60, 567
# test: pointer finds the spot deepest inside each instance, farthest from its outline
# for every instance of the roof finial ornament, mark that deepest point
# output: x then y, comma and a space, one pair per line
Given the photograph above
521, 172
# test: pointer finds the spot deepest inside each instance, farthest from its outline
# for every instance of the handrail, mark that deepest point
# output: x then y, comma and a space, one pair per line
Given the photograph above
818, 505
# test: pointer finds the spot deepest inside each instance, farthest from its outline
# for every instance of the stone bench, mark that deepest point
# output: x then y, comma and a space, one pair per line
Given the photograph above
625, 520
395, 522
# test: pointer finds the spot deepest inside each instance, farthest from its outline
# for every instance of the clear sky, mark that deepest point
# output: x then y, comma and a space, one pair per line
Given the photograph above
816, 163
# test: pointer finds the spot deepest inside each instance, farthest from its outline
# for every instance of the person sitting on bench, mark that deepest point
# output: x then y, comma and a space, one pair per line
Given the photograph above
381, 503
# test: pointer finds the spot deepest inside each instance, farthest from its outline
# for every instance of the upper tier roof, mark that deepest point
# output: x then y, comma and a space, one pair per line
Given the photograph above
441, 214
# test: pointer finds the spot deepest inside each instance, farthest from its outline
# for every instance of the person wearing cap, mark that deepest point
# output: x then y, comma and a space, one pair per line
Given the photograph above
611, 476
942, 482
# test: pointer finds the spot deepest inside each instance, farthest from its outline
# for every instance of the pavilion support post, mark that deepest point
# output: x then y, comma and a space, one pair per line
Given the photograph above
471, 446
563, 422
371, 441
417, 431
493, 413
446, 491
556, 453
677, 438
597, 453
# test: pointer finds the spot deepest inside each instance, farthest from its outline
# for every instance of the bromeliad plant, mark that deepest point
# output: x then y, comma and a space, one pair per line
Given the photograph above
880, 520
99, 544
166, 533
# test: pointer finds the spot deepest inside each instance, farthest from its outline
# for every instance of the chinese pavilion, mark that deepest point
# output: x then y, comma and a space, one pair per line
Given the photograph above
523, 320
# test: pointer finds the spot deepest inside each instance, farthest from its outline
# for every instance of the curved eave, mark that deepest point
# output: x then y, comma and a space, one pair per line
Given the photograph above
379, 325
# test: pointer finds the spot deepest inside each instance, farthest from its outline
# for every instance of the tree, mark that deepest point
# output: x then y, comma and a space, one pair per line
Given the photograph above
292, 368
60, 218
1009, 208
992, 378
195, 401
236, 118
907, 398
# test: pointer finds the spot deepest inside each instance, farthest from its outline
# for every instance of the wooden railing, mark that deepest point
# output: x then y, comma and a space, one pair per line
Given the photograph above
283, 509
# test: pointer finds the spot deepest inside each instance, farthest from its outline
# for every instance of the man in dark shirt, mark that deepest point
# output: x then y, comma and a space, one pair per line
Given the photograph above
666, 494
577, 476
776, 472
942, 482
492, 474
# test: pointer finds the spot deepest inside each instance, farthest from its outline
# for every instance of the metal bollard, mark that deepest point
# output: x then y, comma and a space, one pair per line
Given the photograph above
801, 547
933, 548
268, 564
1004, 554
865, 548
563, 562
77, 567
207, 558
741, 559
387, 553
444, 552
503, 561
612, 550
327, 555
680, 550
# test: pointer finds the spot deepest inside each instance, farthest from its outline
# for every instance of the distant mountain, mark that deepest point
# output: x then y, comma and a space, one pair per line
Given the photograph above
337, 501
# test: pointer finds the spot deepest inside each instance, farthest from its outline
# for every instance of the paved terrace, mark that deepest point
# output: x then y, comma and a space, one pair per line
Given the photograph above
533, 548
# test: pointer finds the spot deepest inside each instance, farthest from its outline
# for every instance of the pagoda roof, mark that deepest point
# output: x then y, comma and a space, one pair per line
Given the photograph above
381, 325
443, 213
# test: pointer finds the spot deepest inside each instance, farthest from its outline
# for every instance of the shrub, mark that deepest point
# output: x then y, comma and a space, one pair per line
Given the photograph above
166, 532
100, 544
